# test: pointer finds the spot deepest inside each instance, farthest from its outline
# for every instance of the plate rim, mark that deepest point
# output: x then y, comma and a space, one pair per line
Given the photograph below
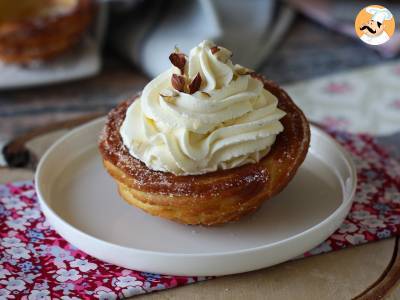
48, 211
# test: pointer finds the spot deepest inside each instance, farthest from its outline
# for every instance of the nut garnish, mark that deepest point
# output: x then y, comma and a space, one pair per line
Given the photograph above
240, 70
168, 99
169, 95
168, 92
178, 82
181, 82
178, 60
214, 49
194, 86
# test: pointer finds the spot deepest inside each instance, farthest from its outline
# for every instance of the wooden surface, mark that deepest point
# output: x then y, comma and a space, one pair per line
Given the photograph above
370, 271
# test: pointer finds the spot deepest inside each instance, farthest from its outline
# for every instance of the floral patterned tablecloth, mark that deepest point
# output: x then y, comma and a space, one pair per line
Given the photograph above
362, 100
36, 263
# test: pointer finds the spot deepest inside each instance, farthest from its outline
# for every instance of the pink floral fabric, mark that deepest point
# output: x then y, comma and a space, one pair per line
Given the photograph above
375, 213
348, 101
36, 263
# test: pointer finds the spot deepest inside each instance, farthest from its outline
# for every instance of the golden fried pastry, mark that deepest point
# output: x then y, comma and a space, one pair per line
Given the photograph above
41, 29
248, 157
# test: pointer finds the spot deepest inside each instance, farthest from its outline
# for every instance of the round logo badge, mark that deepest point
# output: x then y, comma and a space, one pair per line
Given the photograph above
374, 25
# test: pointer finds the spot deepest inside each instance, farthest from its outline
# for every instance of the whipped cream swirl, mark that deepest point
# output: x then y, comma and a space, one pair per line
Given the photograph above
230, 121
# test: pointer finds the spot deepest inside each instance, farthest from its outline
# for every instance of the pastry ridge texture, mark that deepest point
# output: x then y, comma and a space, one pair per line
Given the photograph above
211, 198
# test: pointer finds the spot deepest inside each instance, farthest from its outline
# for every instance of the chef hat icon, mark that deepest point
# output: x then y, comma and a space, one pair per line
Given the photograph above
379, 14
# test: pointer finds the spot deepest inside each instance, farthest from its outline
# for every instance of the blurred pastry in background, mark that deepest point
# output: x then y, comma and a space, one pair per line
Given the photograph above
33, 30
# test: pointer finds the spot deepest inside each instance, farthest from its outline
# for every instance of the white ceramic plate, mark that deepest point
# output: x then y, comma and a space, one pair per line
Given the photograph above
82, 61
81, 202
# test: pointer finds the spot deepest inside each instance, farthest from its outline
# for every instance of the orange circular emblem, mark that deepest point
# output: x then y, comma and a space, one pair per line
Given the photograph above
374, 25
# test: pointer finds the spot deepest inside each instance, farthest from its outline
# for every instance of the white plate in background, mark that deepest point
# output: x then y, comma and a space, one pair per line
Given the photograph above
81, 202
